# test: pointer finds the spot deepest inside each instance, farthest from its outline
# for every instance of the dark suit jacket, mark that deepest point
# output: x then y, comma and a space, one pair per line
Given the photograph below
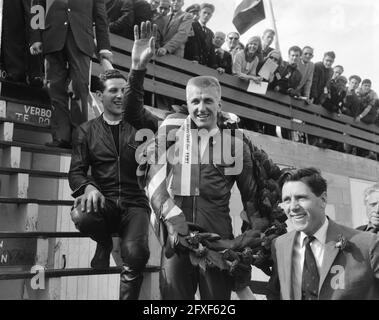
200, 46
80, 17
357, 266
321, 79
124, 14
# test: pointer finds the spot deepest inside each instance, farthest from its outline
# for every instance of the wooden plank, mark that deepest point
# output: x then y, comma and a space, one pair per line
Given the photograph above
6, 131
38, 201
34, 173
35, 148
11, 156
17, 252
29, 114
18, 185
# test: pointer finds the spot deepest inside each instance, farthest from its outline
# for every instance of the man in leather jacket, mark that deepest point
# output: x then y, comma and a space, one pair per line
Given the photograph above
110, 200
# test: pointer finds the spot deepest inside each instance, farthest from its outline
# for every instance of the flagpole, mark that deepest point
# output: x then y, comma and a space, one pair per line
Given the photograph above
270, 13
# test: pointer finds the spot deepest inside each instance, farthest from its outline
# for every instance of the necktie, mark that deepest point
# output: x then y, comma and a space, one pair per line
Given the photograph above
311, 278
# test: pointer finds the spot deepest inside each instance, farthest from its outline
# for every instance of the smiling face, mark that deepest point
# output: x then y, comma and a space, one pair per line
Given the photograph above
113, 98
219, 39
353, 84
366, 87
305, 210
252, 47
328, 62
372, 208
307, 55
203, 106
293, 57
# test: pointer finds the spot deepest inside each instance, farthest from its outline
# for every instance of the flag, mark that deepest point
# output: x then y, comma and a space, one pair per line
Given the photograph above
247, 14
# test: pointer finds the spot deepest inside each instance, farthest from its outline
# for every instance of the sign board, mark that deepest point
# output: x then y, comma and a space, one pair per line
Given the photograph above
29, 114
17, 252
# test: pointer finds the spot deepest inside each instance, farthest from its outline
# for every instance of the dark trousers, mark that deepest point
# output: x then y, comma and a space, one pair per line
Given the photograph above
179, 280
132, 225
69, 64
15, 56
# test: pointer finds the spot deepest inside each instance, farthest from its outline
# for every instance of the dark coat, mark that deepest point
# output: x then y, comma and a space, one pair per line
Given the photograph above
224, 60
321, 80
80, 17
200, 46
124, 14
287, 78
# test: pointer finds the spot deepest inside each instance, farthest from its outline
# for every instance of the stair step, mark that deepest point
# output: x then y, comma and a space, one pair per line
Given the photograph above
57, 273
68, 203
34, 173
35, 148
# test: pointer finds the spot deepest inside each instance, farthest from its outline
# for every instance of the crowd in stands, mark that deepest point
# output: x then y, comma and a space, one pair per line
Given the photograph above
185, 34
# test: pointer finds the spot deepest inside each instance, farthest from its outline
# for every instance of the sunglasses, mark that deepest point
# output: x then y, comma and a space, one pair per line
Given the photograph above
231, 38
275, 59
308, 54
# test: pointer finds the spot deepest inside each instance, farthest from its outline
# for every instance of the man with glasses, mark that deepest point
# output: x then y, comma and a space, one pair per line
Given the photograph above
306, 68
232, 43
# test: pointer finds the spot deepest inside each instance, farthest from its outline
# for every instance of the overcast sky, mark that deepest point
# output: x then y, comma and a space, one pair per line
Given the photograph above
348, 27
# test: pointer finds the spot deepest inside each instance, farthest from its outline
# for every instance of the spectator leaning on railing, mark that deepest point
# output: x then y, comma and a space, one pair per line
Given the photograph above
173, 30
267, 39
246, 62
306, 68
337, 71
199, 47
223, 58
232, 43
164, 7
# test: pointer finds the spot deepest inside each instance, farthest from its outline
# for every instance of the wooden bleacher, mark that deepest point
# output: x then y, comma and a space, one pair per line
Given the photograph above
24, 157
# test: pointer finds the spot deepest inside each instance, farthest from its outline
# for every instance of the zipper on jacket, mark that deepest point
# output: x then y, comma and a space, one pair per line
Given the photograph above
119, 164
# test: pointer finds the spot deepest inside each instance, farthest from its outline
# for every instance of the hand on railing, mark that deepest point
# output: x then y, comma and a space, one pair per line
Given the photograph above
144, 45
36, 48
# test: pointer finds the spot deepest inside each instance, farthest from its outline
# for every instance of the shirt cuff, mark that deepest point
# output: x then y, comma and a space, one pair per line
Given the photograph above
106, 51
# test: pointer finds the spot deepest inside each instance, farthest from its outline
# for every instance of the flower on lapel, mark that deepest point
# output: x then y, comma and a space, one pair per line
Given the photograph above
342, 243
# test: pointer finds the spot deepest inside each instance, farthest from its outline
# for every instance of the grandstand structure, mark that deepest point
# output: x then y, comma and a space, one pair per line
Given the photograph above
35, 201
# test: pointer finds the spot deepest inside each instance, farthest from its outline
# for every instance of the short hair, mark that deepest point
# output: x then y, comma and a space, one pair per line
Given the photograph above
358, 78
367, 81
339, 66
205, 82
309, 176
233, 32
269, 31
308, 47
220, 32
369, 190
330, 54
207, 5
109, 74
295, 49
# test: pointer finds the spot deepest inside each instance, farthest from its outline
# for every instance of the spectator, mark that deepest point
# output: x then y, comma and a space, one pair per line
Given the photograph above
124, 14
232, 43
267, 39
334, 103
352, 102
246, 62
154, 4
275, 56
164, 7
200, 47
321, 78
68, 47
306, 68
194, 10
368, 103
173, 30
223, 58
337, 71
16, 60
288, 77
371, 201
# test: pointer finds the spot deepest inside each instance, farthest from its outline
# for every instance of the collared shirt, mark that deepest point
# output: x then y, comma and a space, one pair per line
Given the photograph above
110, 122
318, 248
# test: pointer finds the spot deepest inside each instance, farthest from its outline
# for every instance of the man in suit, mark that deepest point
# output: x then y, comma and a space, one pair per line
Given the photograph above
371, 199
124, 14
199, 47
320, 259
173, 30
68, 45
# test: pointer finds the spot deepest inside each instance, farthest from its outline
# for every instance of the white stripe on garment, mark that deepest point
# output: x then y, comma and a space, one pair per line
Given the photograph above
172, 122
156, 181
175, 211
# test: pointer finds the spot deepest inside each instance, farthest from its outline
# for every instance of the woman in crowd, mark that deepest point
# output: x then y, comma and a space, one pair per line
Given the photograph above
246, 62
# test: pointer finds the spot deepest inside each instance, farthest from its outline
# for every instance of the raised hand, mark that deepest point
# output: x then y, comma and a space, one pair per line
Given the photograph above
144, 45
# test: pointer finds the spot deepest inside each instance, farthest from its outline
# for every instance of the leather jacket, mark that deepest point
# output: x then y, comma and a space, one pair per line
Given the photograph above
112, 173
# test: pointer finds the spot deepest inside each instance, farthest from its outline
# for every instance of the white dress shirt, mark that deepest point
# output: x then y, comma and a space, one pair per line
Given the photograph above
318, 248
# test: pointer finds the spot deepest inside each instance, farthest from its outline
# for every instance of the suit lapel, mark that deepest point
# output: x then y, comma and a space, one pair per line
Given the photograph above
330, 252
286, 252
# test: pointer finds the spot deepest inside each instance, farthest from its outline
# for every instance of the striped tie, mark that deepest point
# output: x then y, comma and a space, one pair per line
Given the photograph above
311, 278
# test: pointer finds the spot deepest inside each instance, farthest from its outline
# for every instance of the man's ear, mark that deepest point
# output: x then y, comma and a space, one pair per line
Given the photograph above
99, 95
324, 199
